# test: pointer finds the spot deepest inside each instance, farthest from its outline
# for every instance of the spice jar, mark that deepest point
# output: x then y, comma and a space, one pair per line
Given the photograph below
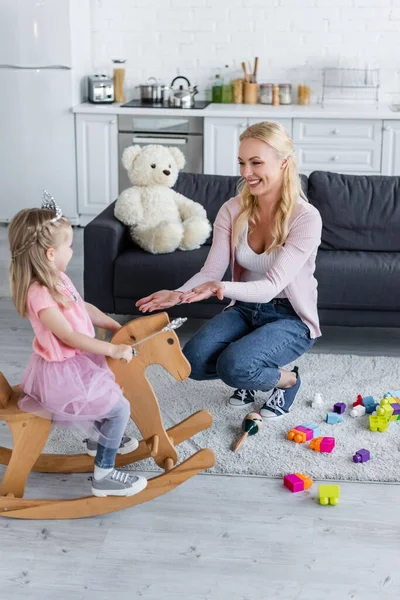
285, 93
266, 93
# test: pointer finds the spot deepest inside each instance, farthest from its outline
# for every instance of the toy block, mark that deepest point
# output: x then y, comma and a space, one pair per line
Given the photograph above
315, 429
361, 456
297, 482
329, 494
370, 408
358, 401
339, 407
332, 418
317, 400
385, 411
300, 434
396, 409
367, 400
394, 393
377, 423
322, 444
357, 411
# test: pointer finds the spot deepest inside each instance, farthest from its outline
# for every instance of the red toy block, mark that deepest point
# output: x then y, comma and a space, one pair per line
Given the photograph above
297, 482
358, 401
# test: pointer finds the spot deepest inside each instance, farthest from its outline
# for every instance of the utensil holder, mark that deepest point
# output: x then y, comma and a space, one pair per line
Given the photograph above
250, 93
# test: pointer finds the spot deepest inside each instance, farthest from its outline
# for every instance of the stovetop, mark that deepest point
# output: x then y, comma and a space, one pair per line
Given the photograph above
198, 104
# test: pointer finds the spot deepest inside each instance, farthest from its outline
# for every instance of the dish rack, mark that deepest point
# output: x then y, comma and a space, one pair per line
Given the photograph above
361, 85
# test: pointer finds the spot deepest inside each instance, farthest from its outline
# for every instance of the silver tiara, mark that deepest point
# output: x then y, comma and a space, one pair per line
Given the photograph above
50, 204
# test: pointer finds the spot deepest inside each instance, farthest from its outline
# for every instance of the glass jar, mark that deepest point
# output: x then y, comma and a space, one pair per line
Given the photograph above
266, 93
285, 93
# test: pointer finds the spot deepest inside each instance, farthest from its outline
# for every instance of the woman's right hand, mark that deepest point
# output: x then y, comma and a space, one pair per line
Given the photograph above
122, 351
159, 301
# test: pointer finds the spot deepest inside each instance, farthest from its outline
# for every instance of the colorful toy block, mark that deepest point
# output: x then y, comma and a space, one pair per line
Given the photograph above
317, 400
377, 423
301, 434
361, 456
368, 400
370, 408
396, 412
357, 411
332, 418
358, 401
339, 408
315, 429
385, 411
394, 393
329, 494
297, 482
322, 444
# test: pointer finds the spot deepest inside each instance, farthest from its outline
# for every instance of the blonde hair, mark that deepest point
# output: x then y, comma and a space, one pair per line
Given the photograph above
276, 136
30, 235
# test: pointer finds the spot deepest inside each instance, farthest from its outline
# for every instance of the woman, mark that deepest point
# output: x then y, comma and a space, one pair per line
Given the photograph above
269, 234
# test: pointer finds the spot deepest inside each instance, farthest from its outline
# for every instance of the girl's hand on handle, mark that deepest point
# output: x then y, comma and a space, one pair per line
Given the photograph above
159, 300
121, 351
204, 291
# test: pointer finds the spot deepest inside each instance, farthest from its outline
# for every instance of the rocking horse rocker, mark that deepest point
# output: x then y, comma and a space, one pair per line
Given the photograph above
156, 343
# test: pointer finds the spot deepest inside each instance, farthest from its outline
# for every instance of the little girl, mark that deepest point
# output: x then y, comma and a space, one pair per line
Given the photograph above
67, 379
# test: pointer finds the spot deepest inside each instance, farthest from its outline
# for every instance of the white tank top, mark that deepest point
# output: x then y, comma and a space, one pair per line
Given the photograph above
255, 265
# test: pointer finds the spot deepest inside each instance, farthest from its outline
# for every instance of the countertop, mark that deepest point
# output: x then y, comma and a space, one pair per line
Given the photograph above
347, 111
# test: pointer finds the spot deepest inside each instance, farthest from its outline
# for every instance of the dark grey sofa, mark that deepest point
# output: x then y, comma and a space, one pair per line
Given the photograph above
358, 263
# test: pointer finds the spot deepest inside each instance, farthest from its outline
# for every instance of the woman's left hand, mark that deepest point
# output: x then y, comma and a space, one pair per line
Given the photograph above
204, 291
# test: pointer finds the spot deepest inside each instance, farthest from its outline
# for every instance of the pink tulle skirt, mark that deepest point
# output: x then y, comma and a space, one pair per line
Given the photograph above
75, 392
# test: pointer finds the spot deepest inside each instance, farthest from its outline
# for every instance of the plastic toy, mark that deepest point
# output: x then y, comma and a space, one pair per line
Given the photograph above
250, 426
385, 411
30, 433
332, 418
322, 444
357, 411
368, 400
329, 494
339, 407
361, 456
302, 433
315, 429
297, 482
377, 423
358, 401
317, 400
370, 408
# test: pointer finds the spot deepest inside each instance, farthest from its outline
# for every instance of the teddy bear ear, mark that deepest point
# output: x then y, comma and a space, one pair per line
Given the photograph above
178, 157
129, 155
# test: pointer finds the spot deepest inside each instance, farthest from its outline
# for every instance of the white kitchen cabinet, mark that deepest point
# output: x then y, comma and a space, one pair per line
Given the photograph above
391, 148
221, 142
97, 163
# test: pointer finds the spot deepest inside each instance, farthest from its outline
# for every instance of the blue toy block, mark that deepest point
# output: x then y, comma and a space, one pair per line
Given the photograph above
333, 418
368, 400
315, 428
370, 408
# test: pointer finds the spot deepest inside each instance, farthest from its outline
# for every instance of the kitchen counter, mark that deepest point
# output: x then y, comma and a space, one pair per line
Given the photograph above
346, 111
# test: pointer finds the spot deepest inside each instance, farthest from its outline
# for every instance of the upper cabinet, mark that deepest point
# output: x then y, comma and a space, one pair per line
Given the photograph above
391, 148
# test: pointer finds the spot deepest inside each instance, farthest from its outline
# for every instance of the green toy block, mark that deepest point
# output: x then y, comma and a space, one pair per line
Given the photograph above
329, 494
378, 423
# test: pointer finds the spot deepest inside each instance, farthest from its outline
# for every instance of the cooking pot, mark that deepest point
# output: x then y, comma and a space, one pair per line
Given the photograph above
182, 97
153, 93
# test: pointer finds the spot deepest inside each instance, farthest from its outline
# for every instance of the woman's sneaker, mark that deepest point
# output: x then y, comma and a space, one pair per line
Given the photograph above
242, 397
128, 444
281, 400
118, 483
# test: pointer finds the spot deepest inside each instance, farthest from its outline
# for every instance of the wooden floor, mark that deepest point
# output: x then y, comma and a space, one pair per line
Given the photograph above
215, 537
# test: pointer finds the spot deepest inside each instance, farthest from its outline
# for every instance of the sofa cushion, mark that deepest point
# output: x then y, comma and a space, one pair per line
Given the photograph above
358, 280
358, 212
138, 273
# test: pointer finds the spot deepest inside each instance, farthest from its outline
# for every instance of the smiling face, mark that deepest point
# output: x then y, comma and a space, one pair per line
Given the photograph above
261, 167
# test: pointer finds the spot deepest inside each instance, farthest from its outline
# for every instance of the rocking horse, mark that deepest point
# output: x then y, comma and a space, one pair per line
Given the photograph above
154, 342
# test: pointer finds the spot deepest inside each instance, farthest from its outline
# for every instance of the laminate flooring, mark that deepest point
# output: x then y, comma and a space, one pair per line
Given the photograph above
213, 538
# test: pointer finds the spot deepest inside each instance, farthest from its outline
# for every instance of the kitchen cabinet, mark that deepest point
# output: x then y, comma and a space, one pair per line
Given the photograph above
391, 148
97, 163
221, 142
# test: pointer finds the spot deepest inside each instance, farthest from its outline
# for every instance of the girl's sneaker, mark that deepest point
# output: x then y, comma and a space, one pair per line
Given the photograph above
242, 397
128, 444
281, 400
118, 483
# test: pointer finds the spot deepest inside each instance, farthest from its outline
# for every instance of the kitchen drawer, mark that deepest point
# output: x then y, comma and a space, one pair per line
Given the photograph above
339, 159
355, 132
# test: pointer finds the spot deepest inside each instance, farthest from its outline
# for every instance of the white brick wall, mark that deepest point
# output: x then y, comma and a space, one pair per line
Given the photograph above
294, 39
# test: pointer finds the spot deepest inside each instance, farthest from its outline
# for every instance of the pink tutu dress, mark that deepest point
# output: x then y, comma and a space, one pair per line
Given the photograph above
71, 387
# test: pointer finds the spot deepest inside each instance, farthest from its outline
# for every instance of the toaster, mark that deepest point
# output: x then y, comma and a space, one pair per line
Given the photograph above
101, 88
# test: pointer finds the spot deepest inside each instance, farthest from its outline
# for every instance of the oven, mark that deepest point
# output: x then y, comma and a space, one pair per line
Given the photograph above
185, 133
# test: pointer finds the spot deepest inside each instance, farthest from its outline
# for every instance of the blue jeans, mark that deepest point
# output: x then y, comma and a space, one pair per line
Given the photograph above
111, 431
246, 344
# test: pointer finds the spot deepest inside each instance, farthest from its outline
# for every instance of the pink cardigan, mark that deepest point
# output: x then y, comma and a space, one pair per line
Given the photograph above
292, 272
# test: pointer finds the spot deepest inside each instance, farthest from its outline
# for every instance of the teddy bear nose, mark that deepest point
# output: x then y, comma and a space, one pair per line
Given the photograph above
166, 172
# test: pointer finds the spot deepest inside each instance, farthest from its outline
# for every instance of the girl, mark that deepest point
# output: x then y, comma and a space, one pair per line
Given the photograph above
67, 379
269, 234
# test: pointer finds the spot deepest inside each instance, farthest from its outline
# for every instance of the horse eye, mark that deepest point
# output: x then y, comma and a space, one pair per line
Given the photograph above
170, 341
153, 166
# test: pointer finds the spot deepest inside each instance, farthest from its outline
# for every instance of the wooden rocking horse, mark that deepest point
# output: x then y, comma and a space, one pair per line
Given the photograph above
30, 433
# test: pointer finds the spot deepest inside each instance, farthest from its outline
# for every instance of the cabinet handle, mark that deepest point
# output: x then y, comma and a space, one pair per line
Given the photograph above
335, 131
335, 158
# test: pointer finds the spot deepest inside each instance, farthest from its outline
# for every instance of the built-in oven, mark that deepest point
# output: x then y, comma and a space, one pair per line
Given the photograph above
185, 133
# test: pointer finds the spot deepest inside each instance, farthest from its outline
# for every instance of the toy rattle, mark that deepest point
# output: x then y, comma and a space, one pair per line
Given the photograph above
250, 426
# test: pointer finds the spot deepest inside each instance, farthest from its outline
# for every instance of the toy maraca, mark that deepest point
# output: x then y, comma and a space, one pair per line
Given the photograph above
250, 426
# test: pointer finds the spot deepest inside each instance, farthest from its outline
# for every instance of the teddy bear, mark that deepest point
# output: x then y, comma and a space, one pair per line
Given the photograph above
159, 219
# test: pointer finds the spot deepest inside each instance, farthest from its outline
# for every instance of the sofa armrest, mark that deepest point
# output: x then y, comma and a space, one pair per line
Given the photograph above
104, 239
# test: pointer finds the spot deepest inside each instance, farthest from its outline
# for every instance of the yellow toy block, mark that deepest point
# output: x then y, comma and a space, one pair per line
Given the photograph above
385, 410
329, 494
377, 423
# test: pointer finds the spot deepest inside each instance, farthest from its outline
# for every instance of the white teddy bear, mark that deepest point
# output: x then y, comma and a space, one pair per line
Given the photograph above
159, 219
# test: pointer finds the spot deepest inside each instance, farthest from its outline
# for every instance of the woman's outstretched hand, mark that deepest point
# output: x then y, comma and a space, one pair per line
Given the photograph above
159, 301
204, 291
